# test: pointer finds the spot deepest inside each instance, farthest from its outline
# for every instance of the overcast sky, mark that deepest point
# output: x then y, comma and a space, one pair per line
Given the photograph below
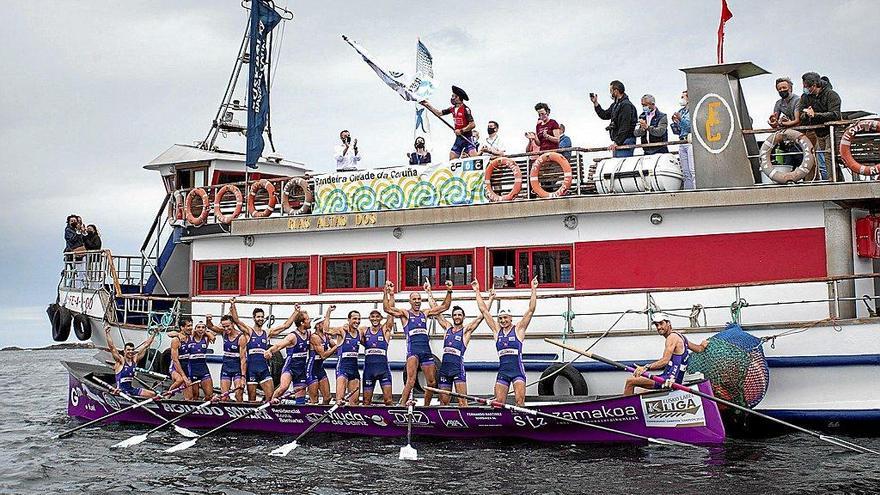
94, 90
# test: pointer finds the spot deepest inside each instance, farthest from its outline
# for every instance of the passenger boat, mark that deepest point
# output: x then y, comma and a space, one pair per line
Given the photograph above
794, 263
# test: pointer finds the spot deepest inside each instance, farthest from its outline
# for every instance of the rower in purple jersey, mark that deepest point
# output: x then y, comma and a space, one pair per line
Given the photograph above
296, 363
179, 369
455, 344
348, 338
375, 338
199, 375
124, 365
415, 328
508, 342
674, 360
232, 372
321, 348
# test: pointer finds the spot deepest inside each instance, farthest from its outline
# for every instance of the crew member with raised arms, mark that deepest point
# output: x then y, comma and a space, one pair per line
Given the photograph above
673, 363
375, 338
179, 346
234, 367
296, 363
258, 372
348, 340
321, 348
124, 365
199, 375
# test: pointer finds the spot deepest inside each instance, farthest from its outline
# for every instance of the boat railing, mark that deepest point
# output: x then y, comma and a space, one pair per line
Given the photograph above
100, 269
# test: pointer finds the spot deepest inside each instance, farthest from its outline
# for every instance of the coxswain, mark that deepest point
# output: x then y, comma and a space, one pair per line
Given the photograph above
234, 367
348, 338
375, 338
199, 374
455, 343
179, 367
464, 123
258, 372
415, 329
124, 365
674, 360
508, 342
321, 348
296, 364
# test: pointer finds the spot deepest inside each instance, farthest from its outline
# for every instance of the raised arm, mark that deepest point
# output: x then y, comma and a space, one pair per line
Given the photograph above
113, 352
242, 353
144, 347
285, 342
287, 323
447, 301
318, 346
527, 316
233, 312
430, 108
388, 301
475, 323
484, 310
444, 323
698, 347
388, 327
209, 324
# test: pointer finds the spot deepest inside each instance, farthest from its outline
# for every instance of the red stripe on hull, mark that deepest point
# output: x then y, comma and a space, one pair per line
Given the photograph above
701, 260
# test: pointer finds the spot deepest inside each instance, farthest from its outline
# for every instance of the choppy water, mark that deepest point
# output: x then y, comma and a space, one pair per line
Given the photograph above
31, 462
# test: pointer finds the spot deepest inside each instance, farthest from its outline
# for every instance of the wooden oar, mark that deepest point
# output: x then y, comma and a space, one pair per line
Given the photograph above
678, 386
179, 429
534, 412
138, 439
285, 449
189, 443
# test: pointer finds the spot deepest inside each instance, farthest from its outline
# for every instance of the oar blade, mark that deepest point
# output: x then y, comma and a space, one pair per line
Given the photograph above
185, 432
408, 453
130, 442
181, 446
284, 449
672, 443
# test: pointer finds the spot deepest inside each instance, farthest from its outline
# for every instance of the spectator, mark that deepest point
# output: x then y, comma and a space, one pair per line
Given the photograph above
92, 242
346, 153
681, 126
92, 239
622, 114
652, 126
493, 146
73, 252
819, 104
475, 137
784, 111
420, 155
564, 142
547, 131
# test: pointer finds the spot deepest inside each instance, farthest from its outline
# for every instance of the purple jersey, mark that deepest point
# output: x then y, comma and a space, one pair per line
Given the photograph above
453, 348
375, 346
416, 331
299, 351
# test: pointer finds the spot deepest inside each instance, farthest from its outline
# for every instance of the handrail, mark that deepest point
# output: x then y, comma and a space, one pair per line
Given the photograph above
156, 221
113, 275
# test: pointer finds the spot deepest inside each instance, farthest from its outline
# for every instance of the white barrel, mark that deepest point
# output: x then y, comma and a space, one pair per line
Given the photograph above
644, 173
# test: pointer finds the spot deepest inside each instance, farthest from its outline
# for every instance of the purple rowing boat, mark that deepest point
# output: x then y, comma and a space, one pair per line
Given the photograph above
673, 415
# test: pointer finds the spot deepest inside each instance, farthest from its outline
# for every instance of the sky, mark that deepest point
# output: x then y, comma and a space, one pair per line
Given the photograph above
92, 91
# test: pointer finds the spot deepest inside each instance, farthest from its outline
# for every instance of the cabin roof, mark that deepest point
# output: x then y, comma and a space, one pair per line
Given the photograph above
183, 153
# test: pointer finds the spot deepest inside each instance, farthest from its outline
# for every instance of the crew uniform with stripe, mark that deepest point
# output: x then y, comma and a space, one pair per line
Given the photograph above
124, 378
296, 364
452, 366
510, 364
677, 365
376, 368
257, 366
417, 340
198, 366
315, 365
182, 356
347, 353
231, 369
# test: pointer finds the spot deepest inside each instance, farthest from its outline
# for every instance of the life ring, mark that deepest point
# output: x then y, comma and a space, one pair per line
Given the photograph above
534, 175
802, 171
418, 387
562, 370
505, 162
291, 185
239, 199
61, 325
188, 208
846, 142
270, 189
175, 207
82, 327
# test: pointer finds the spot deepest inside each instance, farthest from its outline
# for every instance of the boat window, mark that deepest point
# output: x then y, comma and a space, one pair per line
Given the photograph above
552, 267
502, 268
295, 275
459, 268
437, 268
338, 274
265, 276
280, 275
419, 268
370, 273
218, 277
515, 268
355, 273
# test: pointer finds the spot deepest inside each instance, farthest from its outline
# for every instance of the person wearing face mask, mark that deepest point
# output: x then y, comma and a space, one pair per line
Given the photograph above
652, 126
818, 105
681, 126
346, 153
547, 131
493, 144
784, 113
464, 123
622, 114
420, 155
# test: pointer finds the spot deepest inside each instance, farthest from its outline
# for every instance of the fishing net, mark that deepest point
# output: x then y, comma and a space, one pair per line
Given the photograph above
734, 361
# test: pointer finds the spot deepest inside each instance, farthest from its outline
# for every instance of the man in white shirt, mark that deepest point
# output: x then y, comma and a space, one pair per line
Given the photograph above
346, 153
493, 144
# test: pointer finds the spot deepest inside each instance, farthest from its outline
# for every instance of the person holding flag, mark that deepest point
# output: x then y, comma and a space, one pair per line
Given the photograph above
464, 123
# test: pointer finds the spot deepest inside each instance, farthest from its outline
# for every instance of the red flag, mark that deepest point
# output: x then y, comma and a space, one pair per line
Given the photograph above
726, 15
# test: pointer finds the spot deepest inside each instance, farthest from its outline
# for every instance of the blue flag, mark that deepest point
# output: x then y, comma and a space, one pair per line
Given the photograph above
263, 20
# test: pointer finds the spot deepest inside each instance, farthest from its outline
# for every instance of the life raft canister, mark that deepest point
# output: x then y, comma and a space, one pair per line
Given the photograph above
270, 190
846, 142
535, 173
188, 209
802, 171
239, 200
289, 188
504, 162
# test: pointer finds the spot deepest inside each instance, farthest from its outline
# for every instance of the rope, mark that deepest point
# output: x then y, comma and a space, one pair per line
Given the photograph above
736, 309
772, 338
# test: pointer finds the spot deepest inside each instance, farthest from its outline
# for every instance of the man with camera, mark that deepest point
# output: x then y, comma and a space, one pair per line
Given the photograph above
623, 116
346, 153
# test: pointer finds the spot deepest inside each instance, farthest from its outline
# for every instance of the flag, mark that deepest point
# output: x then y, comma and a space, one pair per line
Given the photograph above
423, 87
263, 20
726, 15
394, 80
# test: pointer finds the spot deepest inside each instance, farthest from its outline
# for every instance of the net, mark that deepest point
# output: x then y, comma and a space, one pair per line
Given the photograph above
734, 362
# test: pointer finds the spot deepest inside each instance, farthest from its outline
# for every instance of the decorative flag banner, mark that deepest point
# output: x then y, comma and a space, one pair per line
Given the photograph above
394, 80
726, 15
263, 20
424, 88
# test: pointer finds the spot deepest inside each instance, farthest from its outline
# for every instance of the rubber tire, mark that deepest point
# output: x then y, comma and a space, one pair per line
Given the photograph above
276, 364
82, 327
164, 362
578, 384
61, 325
50, 311
418, 386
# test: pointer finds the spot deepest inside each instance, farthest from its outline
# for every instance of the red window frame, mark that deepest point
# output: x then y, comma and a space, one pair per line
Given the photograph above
280, 289
200, 265
353, 259
436, 283
530, 250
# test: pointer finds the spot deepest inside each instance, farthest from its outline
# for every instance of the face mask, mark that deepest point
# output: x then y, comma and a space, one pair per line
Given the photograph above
683, 102
647, 110
490, 130
806, 91
784, 94
420, 145
452, 101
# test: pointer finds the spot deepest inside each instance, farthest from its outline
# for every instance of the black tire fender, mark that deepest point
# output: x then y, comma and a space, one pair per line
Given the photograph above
61, 325
82, 326
562, 370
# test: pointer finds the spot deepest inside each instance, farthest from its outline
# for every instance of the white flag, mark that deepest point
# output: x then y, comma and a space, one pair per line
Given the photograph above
423, 87
394, 80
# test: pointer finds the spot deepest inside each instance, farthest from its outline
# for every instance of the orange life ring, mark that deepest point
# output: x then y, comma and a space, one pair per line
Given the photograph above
270, 189
309, 198
218, 197
535, 173
505, 162
846, 141
206, 205
175, 207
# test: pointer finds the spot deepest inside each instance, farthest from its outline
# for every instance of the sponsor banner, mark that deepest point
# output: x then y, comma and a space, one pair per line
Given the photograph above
459, 182
675, 409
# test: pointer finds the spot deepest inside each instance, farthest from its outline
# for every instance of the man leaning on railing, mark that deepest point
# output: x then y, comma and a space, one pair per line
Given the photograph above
818, 105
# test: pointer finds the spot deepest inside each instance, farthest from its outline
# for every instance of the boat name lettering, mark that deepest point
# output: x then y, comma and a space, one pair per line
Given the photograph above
331, 221
182, 408
676, 409
535, 423
288, 416
75, 300
236, 412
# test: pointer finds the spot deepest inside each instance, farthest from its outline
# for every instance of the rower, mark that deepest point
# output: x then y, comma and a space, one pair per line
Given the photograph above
258, 372
414, 322
179, 368
375, 338
296, 363
454, 345
321, 348
508, 342
674, 360
348, 339
234, 356
124, 365
199, 374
